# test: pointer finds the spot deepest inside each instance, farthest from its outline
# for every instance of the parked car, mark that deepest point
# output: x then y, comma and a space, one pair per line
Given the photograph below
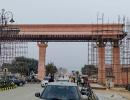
28, 79
61, 91
32, 79
18, 82
45, 81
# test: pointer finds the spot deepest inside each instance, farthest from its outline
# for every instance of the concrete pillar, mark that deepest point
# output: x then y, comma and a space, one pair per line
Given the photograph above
42, 55
101, 63
116, 64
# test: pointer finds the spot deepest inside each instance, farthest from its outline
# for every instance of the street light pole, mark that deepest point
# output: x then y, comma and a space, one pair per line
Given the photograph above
5, 17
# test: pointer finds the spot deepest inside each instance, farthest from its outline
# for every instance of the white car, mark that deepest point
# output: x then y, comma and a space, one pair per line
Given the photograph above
45, 81
61, 91
65, 79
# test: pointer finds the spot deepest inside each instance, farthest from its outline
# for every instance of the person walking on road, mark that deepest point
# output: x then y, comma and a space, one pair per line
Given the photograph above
51, 79
82, 82
78, 80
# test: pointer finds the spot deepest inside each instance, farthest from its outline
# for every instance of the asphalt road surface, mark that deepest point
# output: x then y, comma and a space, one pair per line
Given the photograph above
110, 96
28, 91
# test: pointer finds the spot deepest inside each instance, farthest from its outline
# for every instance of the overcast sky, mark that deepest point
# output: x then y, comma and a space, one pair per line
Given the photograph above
69, 55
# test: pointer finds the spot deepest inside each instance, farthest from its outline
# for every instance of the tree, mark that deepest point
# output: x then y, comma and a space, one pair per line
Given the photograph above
51, 69
89, 70
22, 65
77, 73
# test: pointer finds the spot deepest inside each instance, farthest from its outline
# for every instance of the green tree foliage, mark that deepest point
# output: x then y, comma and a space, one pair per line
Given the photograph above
77, 73
22, 65
89, 70
51, 69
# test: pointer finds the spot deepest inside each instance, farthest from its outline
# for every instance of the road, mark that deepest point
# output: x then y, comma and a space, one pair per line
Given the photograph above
105, 95
28, 91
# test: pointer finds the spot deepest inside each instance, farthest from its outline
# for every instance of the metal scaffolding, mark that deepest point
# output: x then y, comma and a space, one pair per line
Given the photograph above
92, 54
10, 50
110, 65
125, 55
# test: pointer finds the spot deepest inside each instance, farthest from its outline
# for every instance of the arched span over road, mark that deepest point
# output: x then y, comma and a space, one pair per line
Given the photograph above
62, 32
43, 33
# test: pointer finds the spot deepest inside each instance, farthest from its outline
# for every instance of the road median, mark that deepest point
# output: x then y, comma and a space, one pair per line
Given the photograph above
7, 88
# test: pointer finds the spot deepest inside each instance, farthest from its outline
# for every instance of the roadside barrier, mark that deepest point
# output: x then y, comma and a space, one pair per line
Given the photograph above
8, 88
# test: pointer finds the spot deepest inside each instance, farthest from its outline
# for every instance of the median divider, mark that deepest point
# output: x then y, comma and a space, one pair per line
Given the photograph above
8, 88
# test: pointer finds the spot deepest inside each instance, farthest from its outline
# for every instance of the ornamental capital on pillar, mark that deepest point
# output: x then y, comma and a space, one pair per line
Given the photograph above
101, 44
42, 44
115, 43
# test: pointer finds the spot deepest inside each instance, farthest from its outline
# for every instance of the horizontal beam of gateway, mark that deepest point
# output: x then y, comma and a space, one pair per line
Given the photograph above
64, 32
41, 28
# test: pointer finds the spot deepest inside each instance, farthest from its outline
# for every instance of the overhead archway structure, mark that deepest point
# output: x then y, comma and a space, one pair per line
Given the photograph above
43, 33
64, 32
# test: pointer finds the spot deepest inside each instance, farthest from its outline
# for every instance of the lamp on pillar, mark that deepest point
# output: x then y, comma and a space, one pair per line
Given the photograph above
5, 18
42, 55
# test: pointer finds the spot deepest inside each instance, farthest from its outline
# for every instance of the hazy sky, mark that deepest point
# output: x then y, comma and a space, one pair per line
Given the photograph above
69, 55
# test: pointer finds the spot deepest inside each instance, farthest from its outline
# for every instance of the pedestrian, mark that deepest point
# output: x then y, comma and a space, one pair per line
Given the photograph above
86, 82
74, 79
108, 84
78, 80
51, 79
82, 82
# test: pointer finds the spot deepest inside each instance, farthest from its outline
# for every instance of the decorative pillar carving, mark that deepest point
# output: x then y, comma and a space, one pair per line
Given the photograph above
101, 63
41, 63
